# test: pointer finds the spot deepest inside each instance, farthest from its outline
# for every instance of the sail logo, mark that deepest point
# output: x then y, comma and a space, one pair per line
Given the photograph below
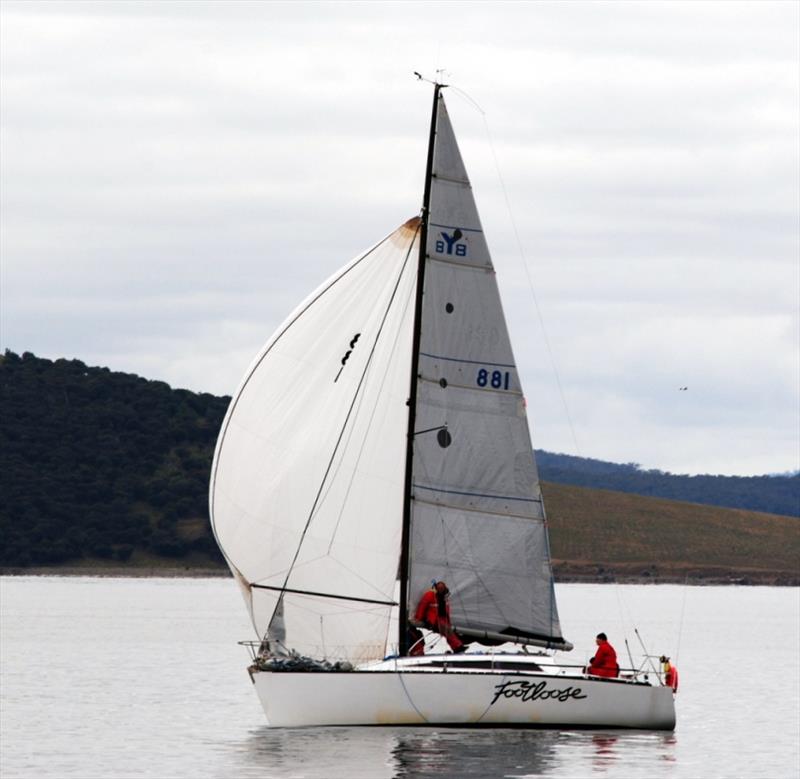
451, 244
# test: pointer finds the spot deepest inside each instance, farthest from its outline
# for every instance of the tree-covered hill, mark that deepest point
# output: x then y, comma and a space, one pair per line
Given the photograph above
99, 465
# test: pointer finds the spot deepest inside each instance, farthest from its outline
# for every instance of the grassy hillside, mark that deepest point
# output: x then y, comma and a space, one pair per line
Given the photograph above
599, 534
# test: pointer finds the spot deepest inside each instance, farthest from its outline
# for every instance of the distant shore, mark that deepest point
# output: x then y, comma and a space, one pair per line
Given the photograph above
118, 571
564, 573
649, 573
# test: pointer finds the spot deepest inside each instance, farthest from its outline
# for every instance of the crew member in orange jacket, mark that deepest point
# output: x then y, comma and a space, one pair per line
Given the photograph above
604, 663
434, 612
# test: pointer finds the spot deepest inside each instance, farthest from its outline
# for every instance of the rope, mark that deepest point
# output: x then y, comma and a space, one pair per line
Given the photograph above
375, 405
539, 316
680, 622
408, 694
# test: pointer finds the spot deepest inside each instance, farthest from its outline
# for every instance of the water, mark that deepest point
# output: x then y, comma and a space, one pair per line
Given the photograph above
143, 678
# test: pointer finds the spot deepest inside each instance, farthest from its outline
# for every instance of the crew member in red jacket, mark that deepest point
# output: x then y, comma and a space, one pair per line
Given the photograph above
604, 663
434, 612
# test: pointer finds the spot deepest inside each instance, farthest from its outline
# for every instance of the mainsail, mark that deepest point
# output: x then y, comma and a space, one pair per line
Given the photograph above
477, 518
309, 479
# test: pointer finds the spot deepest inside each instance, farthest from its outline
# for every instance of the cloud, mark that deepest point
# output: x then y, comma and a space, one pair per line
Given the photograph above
177, 176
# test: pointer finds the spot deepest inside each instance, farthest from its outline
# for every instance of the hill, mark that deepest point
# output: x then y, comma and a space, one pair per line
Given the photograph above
99, 464
771, 494
109, 471
600, 535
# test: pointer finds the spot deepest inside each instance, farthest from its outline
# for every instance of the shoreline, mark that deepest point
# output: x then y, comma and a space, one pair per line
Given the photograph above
564, 573
118, 572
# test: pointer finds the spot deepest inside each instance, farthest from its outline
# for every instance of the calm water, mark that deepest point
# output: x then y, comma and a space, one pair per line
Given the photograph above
143, 678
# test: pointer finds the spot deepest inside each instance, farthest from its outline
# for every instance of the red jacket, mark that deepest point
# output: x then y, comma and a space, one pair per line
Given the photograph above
604, 663
428, 610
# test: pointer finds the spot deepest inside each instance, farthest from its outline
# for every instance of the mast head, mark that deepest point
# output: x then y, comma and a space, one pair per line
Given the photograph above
436, 82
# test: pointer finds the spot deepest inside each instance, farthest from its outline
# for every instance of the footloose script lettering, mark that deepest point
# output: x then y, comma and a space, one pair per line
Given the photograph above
530, 691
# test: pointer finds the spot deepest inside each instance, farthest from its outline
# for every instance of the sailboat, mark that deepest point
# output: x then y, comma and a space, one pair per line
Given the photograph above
379, 444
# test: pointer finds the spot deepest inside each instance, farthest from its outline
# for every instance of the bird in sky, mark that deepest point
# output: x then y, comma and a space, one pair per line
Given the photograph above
682, 389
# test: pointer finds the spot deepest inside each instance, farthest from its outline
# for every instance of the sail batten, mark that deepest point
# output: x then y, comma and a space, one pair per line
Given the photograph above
476, 494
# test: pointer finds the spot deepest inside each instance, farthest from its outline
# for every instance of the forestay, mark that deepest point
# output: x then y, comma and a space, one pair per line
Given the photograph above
477, 517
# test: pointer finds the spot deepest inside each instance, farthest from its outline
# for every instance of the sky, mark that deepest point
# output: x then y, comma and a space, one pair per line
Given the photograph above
177, 176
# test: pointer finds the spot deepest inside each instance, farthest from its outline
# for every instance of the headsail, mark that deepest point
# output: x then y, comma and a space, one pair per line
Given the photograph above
477, 518
306, 489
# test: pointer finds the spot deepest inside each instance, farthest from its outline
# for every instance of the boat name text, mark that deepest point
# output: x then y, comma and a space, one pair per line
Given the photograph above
530, 691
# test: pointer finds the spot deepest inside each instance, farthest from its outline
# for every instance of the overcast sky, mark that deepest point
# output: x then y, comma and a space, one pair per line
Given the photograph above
177, 176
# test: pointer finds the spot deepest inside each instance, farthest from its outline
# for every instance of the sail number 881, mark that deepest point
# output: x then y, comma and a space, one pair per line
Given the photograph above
494, 379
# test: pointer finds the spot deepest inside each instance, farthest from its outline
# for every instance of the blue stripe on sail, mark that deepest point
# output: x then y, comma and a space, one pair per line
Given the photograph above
471, 362
456, 227
476, 494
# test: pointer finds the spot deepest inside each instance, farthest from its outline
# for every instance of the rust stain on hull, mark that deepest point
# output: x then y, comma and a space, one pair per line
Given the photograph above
396, 717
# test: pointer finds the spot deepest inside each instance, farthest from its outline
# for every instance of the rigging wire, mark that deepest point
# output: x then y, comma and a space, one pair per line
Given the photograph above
622, 608
525, 265
468, 98
336, 447
256, 365
540, 317
369, 427
623, 619
680, 622
408, 694
646, 653
375, 405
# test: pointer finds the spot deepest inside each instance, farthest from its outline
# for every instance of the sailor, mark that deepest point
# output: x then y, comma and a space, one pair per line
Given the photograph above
670, 673
433, 612
604, 663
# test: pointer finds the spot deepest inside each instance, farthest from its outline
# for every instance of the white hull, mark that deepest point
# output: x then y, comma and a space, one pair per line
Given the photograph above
461, 698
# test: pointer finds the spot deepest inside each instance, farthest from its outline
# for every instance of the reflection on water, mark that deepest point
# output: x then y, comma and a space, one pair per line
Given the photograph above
321, 753
454, 753
605, 754
450, 753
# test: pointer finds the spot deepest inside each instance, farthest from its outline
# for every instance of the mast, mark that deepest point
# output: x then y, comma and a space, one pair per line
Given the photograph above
412, 395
